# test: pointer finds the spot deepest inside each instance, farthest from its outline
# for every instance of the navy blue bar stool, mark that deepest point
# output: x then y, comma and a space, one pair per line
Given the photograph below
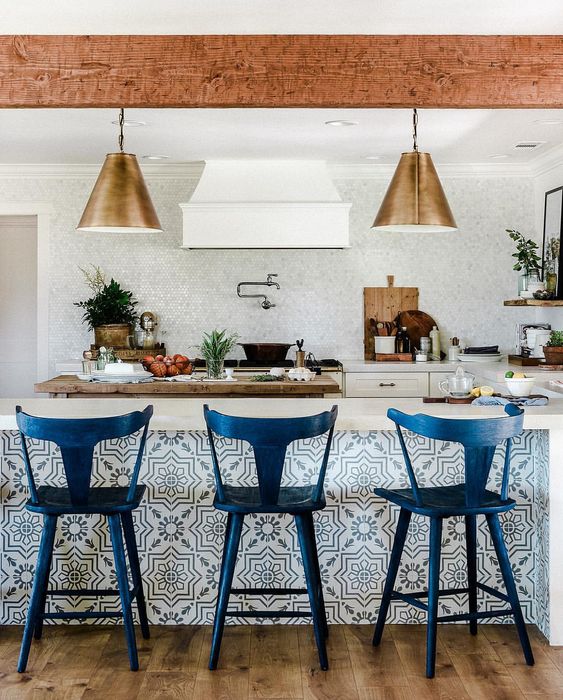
77, 439
270, 438
480, 439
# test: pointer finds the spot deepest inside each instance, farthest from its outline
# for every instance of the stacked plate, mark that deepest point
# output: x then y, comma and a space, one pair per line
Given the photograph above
481, 357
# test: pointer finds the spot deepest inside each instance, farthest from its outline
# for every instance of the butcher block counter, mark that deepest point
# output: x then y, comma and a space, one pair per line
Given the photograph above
69, 386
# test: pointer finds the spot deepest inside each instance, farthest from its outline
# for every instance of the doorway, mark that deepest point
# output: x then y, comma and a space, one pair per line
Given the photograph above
18, 306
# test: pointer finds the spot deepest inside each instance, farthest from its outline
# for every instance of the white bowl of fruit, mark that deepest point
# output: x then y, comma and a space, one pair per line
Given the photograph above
518, 384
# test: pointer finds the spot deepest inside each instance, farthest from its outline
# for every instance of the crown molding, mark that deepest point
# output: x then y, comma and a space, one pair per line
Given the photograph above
547, 161
338, 171
380, 171
71, 171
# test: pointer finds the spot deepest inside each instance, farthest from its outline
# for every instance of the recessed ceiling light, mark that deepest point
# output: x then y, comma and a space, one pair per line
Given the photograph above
341, 122
130, 122
155, 157
498, 156
548, 121
373, 157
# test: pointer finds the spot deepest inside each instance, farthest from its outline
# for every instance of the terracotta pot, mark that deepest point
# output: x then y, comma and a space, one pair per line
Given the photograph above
114, 335
553, 355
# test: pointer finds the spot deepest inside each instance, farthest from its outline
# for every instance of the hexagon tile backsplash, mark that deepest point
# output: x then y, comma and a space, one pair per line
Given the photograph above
463, 277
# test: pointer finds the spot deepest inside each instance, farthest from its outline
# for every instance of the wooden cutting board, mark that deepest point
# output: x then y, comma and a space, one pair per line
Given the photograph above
384, 304
418, 324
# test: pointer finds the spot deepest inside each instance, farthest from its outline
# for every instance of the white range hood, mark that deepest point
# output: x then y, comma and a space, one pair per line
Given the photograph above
265, 204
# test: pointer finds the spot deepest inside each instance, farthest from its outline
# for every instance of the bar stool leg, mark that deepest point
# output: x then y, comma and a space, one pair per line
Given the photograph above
123, 585
39, 623
133, 554
506, 570
39, 587
230, 551
307, 552
394, 561
308, 520
471, 544
433, 590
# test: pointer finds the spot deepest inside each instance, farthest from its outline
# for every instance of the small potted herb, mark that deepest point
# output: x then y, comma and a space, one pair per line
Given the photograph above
109, 312
527, 259
214, 347
553, 349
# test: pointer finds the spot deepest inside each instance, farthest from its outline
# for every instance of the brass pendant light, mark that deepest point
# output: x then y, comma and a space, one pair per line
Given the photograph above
415, 200
120, 201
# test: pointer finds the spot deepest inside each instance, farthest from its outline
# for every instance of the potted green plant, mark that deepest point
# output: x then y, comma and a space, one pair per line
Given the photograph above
214, 347
109, 312
553, 349
527, 259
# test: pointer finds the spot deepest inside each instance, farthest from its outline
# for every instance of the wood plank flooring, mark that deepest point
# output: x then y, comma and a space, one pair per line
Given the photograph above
279, 662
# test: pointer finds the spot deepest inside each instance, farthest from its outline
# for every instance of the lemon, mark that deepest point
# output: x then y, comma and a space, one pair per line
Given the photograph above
476, 391
519, 375
487, 391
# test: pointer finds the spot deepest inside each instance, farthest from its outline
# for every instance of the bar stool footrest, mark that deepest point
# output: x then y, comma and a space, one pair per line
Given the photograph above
80, 615
475, 616
268, 591
267, 613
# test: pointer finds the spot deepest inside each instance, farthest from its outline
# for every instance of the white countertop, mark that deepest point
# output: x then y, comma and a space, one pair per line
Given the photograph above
186, 414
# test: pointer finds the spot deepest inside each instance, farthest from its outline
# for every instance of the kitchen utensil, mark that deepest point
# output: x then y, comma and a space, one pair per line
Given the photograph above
384, 344
458, 384
520, 387
372, 322
385, 303
266, 352
299, 344
418, 324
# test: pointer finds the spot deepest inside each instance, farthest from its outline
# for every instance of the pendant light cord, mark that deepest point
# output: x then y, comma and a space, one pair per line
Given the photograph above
414, 130
121, 124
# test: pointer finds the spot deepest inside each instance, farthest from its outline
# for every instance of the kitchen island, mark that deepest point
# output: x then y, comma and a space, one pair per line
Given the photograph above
70, 386
180, 533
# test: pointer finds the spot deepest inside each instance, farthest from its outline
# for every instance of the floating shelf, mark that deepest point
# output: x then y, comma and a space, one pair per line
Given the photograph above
534, 302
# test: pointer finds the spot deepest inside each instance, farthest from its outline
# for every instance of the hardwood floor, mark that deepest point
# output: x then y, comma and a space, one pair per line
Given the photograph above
279, 662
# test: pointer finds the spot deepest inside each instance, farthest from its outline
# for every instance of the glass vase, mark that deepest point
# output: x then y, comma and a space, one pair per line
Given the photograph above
522, 284
215, 368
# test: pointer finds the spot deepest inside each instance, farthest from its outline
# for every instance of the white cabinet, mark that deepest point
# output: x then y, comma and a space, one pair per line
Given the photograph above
386, 384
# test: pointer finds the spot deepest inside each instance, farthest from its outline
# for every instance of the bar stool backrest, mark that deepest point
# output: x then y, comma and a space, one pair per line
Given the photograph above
77, 438
269, 438
479, 437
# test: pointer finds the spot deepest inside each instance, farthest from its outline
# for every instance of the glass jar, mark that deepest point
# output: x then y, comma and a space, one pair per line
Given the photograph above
215, 368
550, 277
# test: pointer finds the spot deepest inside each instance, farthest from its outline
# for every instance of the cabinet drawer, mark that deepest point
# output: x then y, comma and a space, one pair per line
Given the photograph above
386, 384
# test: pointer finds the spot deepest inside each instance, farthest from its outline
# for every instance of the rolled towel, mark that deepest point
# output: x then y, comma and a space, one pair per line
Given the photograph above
501, 401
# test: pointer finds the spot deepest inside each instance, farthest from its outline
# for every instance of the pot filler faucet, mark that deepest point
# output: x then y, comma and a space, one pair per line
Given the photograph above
266, 303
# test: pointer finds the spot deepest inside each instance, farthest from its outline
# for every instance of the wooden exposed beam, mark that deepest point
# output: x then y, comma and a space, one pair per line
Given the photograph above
281, 71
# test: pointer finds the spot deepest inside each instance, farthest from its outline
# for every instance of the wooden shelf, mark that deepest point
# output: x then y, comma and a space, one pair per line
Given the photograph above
533, 302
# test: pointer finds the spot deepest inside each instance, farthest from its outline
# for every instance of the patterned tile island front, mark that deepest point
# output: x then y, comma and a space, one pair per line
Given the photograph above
181, 534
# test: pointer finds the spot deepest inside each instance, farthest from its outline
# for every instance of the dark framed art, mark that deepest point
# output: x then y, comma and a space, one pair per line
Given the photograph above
552, 232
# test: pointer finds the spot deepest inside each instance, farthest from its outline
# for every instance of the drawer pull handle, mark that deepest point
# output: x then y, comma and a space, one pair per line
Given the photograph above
387, 384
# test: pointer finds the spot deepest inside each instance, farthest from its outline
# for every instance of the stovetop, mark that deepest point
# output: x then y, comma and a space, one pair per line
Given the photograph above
250, 364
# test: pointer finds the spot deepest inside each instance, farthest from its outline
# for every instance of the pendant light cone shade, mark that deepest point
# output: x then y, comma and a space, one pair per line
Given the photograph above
415, 200
120, 201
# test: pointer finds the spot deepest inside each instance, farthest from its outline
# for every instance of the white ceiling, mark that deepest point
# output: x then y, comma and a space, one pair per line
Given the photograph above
287, 17
79, 136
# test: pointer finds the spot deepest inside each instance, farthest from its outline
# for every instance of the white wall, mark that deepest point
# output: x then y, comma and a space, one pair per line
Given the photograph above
463, 277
